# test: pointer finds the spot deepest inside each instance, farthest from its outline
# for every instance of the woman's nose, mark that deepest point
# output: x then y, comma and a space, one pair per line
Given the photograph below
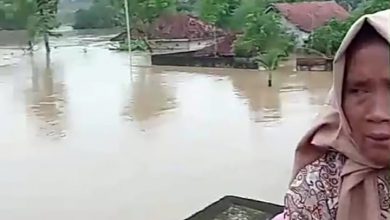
379, 109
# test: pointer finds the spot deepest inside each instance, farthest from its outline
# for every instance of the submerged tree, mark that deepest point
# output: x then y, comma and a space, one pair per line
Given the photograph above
269, 61
44, 20
38, 17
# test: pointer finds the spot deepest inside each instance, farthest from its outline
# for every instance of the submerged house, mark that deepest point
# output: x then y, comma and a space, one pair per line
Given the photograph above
302, 18
180, 33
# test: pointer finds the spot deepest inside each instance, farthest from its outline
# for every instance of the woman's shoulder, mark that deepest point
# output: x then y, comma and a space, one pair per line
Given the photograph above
315, 189
325, 169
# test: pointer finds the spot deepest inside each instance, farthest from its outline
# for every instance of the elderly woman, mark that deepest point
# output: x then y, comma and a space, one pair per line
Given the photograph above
340, 169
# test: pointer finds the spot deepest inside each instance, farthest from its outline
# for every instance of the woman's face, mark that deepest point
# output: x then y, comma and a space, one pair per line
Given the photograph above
366, 99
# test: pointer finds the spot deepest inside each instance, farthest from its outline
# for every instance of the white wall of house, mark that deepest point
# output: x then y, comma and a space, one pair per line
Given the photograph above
291, 28
168, 46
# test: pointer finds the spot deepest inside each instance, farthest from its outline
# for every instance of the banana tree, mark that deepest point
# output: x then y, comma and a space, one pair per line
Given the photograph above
270, 61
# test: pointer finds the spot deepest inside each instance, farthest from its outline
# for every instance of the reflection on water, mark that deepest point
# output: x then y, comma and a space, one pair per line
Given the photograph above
46, 100
71, 147
151, 95
263, 101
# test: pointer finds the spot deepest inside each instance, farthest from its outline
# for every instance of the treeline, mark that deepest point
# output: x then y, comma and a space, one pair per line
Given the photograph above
260, 31
109, 13
328, 38
261, 34
101, 14
15, 14
244, 16
38, 17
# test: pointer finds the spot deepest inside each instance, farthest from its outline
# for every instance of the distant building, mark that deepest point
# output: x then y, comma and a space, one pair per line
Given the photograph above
302, 18
179, 33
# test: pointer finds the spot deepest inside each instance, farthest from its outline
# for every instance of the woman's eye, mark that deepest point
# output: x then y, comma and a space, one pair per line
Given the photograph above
357, 91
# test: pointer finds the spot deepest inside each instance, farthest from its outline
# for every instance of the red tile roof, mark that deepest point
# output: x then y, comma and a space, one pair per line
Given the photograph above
180, 26
308, 16
176, 26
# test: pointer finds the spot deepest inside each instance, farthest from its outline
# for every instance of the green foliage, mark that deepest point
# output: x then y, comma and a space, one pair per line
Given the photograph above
217, 12
14, 14
100, 15
38, 17
264, 37
149, 10
185, 6
146, 11
136, 45
45, 13
328, 38
371, 6
270, 59
237, 21
110, 13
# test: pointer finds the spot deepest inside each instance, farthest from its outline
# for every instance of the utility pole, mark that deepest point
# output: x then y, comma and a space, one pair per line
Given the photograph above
126, 2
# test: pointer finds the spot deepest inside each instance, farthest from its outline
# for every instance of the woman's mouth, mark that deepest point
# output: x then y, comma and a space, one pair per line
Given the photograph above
379, 137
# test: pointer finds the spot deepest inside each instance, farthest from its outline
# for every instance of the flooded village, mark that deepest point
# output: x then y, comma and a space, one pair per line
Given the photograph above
91, 131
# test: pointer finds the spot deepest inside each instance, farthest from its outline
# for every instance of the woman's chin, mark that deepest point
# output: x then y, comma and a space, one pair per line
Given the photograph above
379, 156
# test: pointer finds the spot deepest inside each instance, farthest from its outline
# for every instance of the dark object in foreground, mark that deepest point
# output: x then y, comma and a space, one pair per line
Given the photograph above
314, 64
232, 207
186, 59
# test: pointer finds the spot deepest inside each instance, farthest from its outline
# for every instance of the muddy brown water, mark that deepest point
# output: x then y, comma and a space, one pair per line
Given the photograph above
83, 139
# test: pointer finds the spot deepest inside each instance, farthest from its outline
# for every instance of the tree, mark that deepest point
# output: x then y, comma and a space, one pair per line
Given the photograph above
270, 61
14, 14
265, 38
142, 13
263, 32
372, 6
328, 38
38, 17
217, 13
185, 6
237, 20
102, 14
44, 20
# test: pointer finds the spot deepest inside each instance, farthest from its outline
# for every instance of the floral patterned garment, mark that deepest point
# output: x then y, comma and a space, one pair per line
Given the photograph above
313, 195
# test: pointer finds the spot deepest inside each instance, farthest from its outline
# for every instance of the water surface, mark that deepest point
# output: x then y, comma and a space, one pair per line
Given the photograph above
83, 138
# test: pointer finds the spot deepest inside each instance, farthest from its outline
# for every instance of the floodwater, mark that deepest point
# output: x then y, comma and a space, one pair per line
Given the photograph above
82, 138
